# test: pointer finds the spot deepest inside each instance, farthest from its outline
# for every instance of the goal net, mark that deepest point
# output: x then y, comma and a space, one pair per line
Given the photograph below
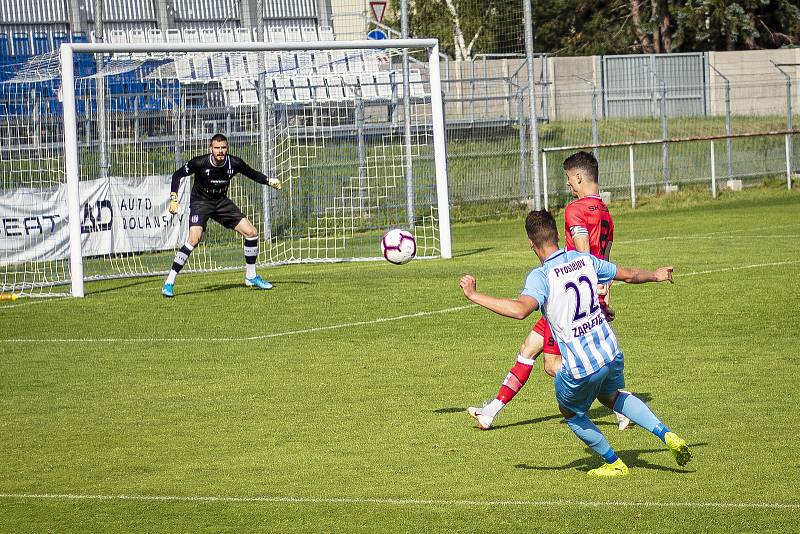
94, 138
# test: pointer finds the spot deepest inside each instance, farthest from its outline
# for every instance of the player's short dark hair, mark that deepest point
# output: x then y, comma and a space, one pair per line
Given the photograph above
584, 162
218, 138
541, 228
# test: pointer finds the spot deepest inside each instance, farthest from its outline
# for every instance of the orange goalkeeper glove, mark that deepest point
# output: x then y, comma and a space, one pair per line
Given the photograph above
173, 203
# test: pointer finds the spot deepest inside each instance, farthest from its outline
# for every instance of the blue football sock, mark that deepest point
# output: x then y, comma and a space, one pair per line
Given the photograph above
637, 411
591, 435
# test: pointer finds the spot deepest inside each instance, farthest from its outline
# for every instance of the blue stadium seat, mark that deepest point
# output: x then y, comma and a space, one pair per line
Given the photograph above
22, 44
41, 43
5, 52
58, 38
80, 37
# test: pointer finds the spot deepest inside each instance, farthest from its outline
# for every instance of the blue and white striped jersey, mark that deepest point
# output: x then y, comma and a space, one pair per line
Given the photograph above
565, 286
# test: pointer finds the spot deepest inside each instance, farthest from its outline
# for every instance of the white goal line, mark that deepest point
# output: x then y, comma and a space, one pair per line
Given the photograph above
398, 502
247, 338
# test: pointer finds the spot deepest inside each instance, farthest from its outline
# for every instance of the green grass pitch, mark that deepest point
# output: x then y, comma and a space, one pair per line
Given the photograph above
336, 402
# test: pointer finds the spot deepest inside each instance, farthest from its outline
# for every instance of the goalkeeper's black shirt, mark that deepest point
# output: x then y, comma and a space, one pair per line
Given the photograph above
211, 181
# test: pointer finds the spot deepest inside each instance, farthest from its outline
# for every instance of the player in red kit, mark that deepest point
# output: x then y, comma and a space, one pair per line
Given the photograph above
588, 228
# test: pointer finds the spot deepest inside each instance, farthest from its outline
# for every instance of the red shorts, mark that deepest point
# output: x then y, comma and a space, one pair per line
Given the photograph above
543, 329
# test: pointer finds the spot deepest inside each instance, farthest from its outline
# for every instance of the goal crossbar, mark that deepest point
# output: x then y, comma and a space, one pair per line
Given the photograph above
71, 157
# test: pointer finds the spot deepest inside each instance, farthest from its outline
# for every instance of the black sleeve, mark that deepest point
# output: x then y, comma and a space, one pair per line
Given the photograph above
189, 168
240, 166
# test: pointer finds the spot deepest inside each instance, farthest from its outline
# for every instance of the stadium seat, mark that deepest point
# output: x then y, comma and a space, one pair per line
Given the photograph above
288, 63
318, 89
293, 34
201, 67
191, 35
383, 84
5, 51
351, 87
415, 83
251, 64
174, 35
249, 92
338, 61
58, 39
367, 82
243, 35
276, 34
118, 37
22, 44
305, 62
155, 36
321, 62
208, 35
80, 37
284, 93
225, 35
231, 92
325, 33
41, 43
309, 33
183, 69
137, 36
302, 89
238, 69
219, 66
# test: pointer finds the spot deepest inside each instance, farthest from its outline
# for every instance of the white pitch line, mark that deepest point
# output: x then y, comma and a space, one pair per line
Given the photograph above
739, 268
706, 237
248, 338
399, 502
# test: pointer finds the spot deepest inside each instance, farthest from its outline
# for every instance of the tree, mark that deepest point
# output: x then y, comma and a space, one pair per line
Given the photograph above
464, 27
599, 27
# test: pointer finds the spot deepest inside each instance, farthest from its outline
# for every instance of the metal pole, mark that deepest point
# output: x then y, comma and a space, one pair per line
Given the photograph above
713, 172
728, 128
534, 125
544, 181
440, 153
632, 175
100, 95
788, 144
523, 168
595, 132
265, 108
361, 150
72, 170
409, 174
789, 123
664, 136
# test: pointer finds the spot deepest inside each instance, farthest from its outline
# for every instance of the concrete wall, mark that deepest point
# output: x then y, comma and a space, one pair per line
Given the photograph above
757, 86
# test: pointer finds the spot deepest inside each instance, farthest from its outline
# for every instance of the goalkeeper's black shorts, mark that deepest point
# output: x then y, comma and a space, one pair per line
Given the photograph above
222, 210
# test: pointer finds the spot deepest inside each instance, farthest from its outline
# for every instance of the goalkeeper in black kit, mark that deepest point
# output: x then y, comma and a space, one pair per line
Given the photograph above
209, 200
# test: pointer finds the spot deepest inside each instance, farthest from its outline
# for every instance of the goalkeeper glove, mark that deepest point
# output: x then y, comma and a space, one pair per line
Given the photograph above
173, 203
275, 183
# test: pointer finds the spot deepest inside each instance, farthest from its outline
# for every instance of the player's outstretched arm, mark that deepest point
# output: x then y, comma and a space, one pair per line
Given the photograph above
633, 275
257, 176
518, 308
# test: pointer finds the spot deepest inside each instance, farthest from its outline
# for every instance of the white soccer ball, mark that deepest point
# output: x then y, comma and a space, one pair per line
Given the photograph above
398, 246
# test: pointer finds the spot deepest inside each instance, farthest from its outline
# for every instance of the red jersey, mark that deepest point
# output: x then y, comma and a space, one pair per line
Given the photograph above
589, 216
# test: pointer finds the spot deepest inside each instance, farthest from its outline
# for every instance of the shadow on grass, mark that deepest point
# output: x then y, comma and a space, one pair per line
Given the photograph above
472, 252
595, 413
213, 288
135, 283
632, 459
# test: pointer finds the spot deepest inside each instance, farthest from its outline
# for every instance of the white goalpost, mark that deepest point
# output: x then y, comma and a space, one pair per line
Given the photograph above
89, 202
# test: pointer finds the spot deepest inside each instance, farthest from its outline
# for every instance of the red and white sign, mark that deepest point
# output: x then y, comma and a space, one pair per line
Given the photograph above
378, 10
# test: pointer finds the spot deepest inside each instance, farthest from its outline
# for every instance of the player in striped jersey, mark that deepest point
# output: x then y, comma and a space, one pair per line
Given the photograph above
565, 289
588, 228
